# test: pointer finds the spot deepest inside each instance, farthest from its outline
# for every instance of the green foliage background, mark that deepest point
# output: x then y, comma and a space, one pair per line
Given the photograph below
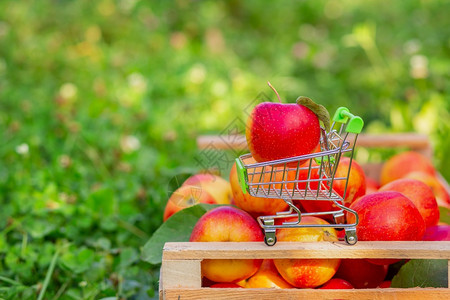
101, 102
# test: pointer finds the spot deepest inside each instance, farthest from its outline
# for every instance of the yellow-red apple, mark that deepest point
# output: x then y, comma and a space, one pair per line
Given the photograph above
259, 206
307, 273
227, 224
216, 186
186, 196
267, 277
401, 164
420, 194
356, 180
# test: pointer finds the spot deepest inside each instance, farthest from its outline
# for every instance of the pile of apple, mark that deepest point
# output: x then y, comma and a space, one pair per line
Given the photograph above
403, 204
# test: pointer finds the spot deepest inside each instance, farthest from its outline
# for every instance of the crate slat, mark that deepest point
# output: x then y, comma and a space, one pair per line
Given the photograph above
285, 294
362, 249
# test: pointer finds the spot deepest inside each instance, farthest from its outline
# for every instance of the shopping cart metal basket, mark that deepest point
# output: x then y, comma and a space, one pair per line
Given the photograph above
280, 179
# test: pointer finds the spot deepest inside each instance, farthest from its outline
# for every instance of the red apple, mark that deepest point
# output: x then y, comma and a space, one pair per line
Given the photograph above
227, 224
420, 194
361, 273
216, 186
186, 196
337, 284
277, 130
267, 277
385, 284
371, 185
401, 164
387, 216
437, 233
441, 194
307, 273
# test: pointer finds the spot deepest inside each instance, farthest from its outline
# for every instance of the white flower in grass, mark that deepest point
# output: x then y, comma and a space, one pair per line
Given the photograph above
129, 143
23, 149
419, 66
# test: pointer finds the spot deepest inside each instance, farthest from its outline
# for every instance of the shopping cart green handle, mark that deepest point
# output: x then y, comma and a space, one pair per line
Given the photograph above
242, 175
354, 123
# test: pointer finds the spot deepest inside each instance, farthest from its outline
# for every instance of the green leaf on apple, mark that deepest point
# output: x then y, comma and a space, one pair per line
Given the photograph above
177, 228
444, 215
320, 110
422, 273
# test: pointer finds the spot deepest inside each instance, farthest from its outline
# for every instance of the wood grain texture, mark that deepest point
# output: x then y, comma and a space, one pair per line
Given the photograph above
181, 273
251, 250
278, 294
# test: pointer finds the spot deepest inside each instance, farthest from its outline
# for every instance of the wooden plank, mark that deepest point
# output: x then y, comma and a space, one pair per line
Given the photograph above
279, 294
181, 273
395, 140
362, 249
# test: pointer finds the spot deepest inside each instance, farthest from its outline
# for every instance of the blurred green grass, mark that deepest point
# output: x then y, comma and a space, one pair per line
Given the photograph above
101, 102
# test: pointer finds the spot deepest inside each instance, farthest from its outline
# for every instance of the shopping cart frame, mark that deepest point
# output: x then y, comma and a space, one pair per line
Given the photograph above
341, 139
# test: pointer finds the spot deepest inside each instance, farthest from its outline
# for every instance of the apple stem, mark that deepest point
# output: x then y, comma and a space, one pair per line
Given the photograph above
279, 99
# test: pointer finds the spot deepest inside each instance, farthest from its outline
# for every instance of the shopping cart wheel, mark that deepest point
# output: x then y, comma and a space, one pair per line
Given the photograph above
270, 241
350, 237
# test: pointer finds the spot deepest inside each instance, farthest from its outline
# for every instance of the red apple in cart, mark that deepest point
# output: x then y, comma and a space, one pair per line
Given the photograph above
420, 194
387, 216
280, 130
356, 186
356, 180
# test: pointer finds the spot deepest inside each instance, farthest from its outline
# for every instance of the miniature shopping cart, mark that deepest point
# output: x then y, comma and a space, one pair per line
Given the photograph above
263, 179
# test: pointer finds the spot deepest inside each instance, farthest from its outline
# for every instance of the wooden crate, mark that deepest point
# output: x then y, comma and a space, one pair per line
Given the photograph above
181, 268
181, 265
